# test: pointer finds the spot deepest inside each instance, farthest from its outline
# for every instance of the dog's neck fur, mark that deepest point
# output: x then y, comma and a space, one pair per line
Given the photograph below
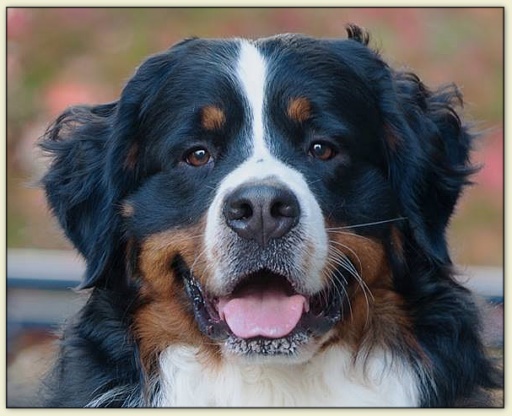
331, 378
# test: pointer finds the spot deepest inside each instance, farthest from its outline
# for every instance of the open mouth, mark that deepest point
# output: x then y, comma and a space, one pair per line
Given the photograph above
264, 314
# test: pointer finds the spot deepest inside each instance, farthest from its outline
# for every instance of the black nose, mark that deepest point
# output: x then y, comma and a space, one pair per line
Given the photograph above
261, 212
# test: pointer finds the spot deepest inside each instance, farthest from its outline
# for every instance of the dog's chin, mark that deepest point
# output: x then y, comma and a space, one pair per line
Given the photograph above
242, 351
251, 352
263, 318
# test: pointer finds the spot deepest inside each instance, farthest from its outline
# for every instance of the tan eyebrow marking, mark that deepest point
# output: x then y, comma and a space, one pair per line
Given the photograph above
299, 109
212, 117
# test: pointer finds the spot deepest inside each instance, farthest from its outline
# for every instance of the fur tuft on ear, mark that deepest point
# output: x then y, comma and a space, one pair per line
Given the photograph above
430, 164
357, 33
76, 187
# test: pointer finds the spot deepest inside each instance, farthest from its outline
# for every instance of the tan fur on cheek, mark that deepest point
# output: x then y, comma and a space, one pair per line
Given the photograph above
166, 317
377, 314
367, 255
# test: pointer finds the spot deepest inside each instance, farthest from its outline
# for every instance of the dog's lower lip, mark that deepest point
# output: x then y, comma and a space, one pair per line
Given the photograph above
205, 315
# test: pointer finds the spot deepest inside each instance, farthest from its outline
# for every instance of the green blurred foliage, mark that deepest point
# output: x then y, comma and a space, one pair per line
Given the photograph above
58, 57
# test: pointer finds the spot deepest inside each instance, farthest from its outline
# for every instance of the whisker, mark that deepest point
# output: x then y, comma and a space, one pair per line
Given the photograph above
341, 259
351, 268
194, 236
336, 276
338, 232
367, 224
196, 260
344, 255
339, 274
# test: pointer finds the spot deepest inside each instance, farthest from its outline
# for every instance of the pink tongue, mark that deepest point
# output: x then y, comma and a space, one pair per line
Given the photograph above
268, 313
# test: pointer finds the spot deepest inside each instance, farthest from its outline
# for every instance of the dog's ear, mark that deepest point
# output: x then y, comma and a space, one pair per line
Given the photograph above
77, 188
96, 153
427, 145
428, 155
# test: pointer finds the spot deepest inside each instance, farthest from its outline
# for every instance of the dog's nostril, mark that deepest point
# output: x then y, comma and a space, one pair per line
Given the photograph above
284, 209
261, 212
237, 210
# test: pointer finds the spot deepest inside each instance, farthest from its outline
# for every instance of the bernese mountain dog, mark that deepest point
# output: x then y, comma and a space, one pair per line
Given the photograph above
263, 223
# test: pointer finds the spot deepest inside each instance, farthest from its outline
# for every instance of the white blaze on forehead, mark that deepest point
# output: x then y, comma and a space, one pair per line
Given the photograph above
251, 71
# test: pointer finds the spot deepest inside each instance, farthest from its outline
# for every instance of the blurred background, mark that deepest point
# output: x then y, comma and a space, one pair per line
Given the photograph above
58, 57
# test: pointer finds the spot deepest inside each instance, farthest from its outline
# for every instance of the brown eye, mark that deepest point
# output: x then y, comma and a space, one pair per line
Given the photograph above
322, 151
198, 157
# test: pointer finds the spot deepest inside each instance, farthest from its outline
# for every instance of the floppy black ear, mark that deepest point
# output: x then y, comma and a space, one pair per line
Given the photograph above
428, 158
427, 146
96, 153
77, 188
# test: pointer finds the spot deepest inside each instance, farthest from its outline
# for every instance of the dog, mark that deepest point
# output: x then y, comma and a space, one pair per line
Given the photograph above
263, 223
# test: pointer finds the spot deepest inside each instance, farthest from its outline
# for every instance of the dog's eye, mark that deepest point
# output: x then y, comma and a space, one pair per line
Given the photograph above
322, 151
198, 157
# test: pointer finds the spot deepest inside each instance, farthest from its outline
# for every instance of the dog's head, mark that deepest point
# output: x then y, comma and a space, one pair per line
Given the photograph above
265, 197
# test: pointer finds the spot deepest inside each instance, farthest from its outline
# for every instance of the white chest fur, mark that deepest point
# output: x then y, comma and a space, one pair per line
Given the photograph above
330, 379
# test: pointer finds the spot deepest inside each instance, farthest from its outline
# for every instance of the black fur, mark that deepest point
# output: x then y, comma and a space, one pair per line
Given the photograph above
417, 168
97, 355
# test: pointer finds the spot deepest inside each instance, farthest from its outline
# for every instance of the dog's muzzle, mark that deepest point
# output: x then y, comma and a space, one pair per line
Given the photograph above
270, 295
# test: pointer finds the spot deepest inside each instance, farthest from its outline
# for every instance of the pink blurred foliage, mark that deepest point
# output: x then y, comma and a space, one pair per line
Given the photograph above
408, 22
290, 20
61, 95
77, 15
13, 66
490, 177
18, 22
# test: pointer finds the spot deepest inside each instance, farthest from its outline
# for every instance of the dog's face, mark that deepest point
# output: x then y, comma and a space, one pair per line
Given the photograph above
262, 196
258, 165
